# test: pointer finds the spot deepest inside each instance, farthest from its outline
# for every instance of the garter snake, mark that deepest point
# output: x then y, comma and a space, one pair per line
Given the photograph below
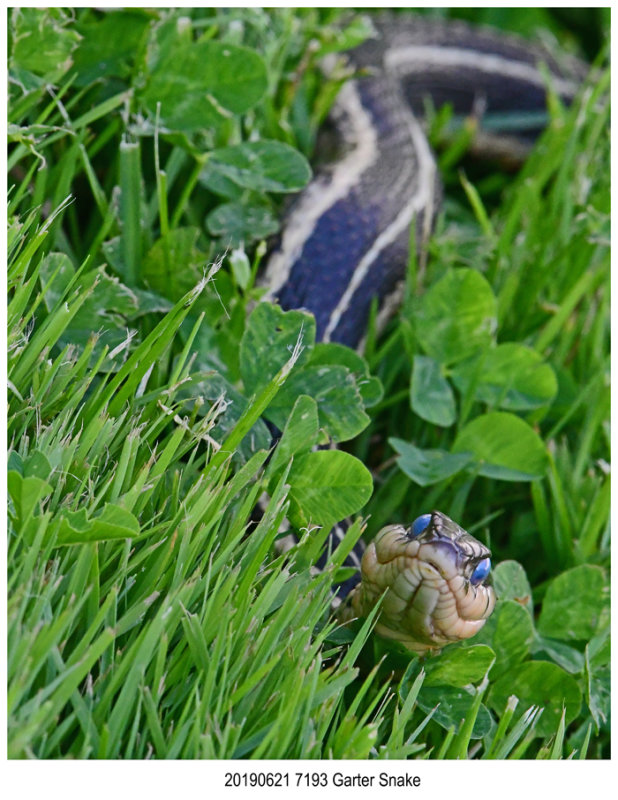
345, 245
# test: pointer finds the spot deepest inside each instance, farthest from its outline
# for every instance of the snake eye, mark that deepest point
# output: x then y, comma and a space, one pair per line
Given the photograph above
481, 571
419, 525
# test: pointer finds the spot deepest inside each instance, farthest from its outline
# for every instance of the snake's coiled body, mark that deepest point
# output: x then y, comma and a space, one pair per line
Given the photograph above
346, 245
346, 240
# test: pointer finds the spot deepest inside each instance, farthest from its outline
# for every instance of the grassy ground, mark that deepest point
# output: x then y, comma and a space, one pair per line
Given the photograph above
143, 619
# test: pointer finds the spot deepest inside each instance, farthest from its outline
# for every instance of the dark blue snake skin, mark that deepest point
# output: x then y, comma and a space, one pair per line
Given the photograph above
350, 227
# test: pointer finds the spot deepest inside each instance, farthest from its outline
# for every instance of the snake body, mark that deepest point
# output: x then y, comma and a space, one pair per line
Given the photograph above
345, 246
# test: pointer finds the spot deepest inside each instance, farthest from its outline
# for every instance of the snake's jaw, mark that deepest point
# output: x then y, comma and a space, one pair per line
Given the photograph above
431, 583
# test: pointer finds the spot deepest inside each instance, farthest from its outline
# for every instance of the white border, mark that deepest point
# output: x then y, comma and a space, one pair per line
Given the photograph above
496, 780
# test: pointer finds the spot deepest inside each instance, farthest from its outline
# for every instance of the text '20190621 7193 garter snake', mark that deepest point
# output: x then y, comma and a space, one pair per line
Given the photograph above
345, 246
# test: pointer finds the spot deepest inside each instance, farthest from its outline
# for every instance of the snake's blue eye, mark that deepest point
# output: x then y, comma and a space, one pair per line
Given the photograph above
419, 524
481, 572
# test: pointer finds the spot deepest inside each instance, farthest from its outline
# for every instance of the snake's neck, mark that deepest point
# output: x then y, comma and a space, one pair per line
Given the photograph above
359, 605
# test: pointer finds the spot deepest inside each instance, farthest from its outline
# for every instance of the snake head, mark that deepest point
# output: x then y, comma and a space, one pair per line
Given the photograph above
432, 578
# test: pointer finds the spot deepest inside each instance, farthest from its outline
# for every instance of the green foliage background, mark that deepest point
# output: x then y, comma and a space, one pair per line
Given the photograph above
149, 613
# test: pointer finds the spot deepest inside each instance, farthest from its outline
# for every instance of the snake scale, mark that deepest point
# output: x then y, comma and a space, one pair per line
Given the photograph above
345, 246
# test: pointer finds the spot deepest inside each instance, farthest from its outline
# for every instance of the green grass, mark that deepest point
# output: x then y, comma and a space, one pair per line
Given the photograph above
149, 613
